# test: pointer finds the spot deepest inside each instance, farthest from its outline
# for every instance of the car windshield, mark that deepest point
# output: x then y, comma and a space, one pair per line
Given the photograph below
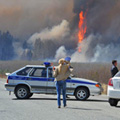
118, 74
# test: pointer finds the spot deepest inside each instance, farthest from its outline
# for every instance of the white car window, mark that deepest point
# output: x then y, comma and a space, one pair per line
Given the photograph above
39, 72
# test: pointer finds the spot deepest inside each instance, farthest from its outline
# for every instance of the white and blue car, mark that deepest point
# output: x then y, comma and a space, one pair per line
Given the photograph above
39, 79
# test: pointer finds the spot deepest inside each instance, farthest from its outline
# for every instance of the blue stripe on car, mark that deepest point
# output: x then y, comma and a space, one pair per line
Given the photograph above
45, 79
82, 82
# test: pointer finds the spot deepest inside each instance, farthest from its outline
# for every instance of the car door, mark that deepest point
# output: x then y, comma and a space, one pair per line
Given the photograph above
51, 89
38, 79
69, 89
116, 81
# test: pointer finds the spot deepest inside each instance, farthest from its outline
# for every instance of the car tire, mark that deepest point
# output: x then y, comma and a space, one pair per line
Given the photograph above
22, 92
113, 102
82, 94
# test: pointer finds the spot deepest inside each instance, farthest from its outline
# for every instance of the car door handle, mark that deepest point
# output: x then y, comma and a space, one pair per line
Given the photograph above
50, 79
29, 78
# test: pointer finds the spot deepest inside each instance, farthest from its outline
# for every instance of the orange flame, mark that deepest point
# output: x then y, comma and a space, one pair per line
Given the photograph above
82, 28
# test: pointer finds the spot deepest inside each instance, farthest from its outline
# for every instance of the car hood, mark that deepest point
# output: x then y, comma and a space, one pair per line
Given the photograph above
84, 80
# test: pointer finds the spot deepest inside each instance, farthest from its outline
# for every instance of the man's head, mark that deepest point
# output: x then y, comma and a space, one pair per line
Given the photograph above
114, 62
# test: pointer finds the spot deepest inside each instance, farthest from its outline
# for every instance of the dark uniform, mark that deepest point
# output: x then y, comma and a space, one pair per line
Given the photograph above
114, 70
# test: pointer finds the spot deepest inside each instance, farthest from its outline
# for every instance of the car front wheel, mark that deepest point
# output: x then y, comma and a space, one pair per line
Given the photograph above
82, 94
113, 102
22, 92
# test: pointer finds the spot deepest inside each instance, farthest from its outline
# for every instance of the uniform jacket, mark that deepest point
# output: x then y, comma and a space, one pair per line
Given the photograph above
114, 70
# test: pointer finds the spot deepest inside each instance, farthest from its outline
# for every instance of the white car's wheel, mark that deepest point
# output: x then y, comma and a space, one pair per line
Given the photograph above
22, 92
81, 94
113, 102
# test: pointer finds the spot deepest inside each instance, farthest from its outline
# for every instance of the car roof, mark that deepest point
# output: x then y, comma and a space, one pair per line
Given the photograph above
35, 66
41, 66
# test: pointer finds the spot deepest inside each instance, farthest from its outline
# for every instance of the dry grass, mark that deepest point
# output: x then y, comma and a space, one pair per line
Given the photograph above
99, 72
105, 88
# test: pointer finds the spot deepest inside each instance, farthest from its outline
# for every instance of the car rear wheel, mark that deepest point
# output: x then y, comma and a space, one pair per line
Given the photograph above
113, 102
82, 94
22, 92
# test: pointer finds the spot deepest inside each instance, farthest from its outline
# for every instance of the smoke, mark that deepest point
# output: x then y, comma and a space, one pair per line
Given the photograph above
104, 25
55, 33
76, 56
60, 53
18, 49
101, 53
23, 18
38, 24
84, 45
106, 53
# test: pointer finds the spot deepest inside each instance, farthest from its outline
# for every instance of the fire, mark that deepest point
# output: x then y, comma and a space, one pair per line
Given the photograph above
82, 28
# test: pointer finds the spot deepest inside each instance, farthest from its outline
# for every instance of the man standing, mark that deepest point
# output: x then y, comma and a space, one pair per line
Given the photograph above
114, 69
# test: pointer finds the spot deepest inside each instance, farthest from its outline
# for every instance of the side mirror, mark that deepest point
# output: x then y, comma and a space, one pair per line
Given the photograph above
7, 74
73, 75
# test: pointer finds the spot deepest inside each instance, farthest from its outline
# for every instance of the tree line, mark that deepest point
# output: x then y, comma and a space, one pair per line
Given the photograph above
6, 46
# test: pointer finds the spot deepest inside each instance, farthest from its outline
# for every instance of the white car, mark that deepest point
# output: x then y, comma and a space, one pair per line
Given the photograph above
39, 79
114, 90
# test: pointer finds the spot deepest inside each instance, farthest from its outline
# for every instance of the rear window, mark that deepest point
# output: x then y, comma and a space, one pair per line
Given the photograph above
24, 71
118, 74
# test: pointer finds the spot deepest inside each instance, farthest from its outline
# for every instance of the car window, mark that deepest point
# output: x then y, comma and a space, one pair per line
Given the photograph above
24, 71
39, 72
50, 72
118, 74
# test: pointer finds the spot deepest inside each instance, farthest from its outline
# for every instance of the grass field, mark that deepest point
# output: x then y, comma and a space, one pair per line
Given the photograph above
99, 72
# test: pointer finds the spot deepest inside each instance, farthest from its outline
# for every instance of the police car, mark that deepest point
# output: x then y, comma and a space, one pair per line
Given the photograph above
114, 90
39, 79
